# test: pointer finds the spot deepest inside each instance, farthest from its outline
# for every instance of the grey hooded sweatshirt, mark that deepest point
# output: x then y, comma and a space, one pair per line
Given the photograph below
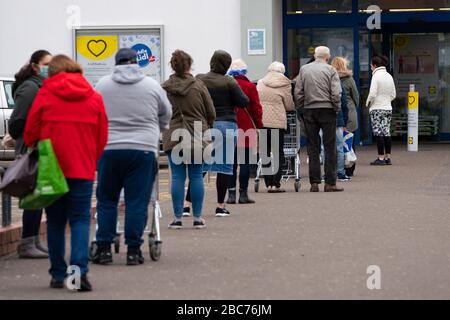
137, 107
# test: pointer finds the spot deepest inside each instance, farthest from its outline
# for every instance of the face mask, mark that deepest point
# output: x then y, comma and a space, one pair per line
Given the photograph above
43, 72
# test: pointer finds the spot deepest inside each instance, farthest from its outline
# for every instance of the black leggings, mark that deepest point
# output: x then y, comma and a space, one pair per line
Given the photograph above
221, 186
384, 145
31, 223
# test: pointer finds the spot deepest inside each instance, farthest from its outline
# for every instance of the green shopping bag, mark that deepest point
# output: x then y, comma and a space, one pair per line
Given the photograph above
51, 183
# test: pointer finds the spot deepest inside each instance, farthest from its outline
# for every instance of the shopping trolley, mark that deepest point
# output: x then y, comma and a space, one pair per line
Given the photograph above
291, 161
153, 231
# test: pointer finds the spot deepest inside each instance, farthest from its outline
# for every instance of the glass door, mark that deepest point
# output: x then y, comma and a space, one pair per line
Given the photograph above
421, 59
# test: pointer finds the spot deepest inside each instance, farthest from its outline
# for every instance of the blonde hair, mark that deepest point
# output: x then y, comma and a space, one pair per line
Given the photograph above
340, 64
277, 67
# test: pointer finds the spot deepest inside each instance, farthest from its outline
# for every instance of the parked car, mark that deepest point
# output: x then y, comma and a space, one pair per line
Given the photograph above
6, 108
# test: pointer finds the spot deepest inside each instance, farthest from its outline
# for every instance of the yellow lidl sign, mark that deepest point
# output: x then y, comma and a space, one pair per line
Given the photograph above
413, 100
97, 47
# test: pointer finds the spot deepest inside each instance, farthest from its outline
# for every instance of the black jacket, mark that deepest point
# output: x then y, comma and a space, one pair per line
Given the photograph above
23, 98
224, 90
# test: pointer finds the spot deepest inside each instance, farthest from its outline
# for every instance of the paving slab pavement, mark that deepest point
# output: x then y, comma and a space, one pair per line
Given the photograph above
293, 245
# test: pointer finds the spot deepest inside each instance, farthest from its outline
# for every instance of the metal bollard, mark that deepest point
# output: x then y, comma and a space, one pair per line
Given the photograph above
6, 205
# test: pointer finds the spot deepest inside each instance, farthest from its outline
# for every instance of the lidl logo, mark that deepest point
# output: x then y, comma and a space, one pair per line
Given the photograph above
145, 55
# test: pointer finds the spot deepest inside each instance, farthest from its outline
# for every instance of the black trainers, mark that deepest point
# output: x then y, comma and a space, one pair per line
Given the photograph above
187, 212
176, 225
343, 178
200, 224
378, 162
134, 257
221, 213
85, 285
56, 284
388, 162
103, 255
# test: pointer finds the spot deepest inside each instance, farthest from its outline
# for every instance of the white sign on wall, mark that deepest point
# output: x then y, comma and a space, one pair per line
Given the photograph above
256, 39
95, 49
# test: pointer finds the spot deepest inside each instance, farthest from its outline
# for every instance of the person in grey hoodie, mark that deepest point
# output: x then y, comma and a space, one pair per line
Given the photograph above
138, 110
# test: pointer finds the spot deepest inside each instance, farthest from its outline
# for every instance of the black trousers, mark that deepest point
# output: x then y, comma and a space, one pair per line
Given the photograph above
31, 223
384, 145
275, 179
315, 120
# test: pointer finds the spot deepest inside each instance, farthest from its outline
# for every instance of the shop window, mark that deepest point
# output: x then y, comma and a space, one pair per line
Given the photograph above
314, 6
302, 43
411, 5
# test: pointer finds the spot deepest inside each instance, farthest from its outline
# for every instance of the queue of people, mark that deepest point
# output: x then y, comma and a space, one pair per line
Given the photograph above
114, 129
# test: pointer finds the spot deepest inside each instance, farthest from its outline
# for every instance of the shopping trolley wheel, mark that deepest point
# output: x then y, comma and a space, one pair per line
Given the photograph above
155, 247
256, 186
297, 186
92, 250
117, 244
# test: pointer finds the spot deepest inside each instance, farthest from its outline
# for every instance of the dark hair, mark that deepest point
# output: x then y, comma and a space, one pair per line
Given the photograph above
27, 70
62, 63
380, 61
181, 62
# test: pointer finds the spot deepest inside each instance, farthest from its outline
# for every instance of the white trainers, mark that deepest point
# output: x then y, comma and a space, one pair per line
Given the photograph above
186, 212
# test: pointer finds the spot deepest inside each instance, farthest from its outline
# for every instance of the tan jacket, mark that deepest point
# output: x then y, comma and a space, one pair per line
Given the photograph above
275, 94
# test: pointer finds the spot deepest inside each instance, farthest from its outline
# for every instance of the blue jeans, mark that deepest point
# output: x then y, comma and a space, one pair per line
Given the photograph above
195, 172
135, 172
222, 160
340, 151
75, 208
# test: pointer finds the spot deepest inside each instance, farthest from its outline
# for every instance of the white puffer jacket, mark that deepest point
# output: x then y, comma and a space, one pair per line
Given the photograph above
382, 90
275, 94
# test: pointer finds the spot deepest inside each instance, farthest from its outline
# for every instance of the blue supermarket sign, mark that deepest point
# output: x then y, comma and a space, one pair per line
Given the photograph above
145, 55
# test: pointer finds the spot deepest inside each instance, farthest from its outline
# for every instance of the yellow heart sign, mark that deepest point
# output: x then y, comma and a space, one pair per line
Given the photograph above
413, 100
97, 47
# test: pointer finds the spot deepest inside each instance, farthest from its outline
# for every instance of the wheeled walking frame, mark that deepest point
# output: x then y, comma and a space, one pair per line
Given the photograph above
153, 230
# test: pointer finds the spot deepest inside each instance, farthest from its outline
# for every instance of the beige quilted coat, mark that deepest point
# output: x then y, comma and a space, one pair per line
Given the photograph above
275, 93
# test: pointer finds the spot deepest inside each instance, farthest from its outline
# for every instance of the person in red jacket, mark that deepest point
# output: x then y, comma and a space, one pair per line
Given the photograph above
72, 115
249, 120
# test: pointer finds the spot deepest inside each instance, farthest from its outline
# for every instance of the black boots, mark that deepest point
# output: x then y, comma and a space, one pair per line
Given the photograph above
231, 197
244, 199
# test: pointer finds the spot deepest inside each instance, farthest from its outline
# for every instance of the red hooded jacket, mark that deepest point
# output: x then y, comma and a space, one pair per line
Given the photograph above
251, 116
69, 112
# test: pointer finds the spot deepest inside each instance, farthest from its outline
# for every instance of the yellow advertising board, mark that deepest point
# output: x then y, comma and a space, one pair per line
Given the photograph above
413, 100
97, 48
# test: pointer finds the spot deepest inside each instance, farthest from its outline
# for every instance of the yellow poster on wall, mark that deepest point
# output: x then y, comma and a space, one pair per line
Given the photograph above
97, 48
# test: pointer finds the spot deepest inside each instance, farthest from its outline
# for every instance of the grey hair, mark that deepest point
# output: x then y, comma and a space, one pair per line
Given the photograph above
277, 67
322, 52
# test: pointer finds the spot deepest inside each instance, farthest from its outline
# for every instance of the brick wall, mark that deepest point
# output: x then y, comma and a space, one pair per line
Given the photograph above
10, 238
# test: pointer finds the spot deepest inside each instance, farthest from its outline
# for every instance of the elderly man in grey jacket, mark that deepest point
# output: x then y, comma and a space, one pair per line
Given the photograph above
318, 94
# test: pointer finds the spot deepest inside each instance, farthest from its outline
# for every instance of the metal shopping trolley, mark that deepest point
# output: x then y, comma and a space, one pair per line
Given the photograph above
291, 147
291, 161
153, 230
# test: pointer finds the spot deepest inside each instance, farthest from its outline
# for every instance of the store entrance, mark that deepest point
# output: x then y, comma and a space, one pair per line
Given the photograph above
422, 59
